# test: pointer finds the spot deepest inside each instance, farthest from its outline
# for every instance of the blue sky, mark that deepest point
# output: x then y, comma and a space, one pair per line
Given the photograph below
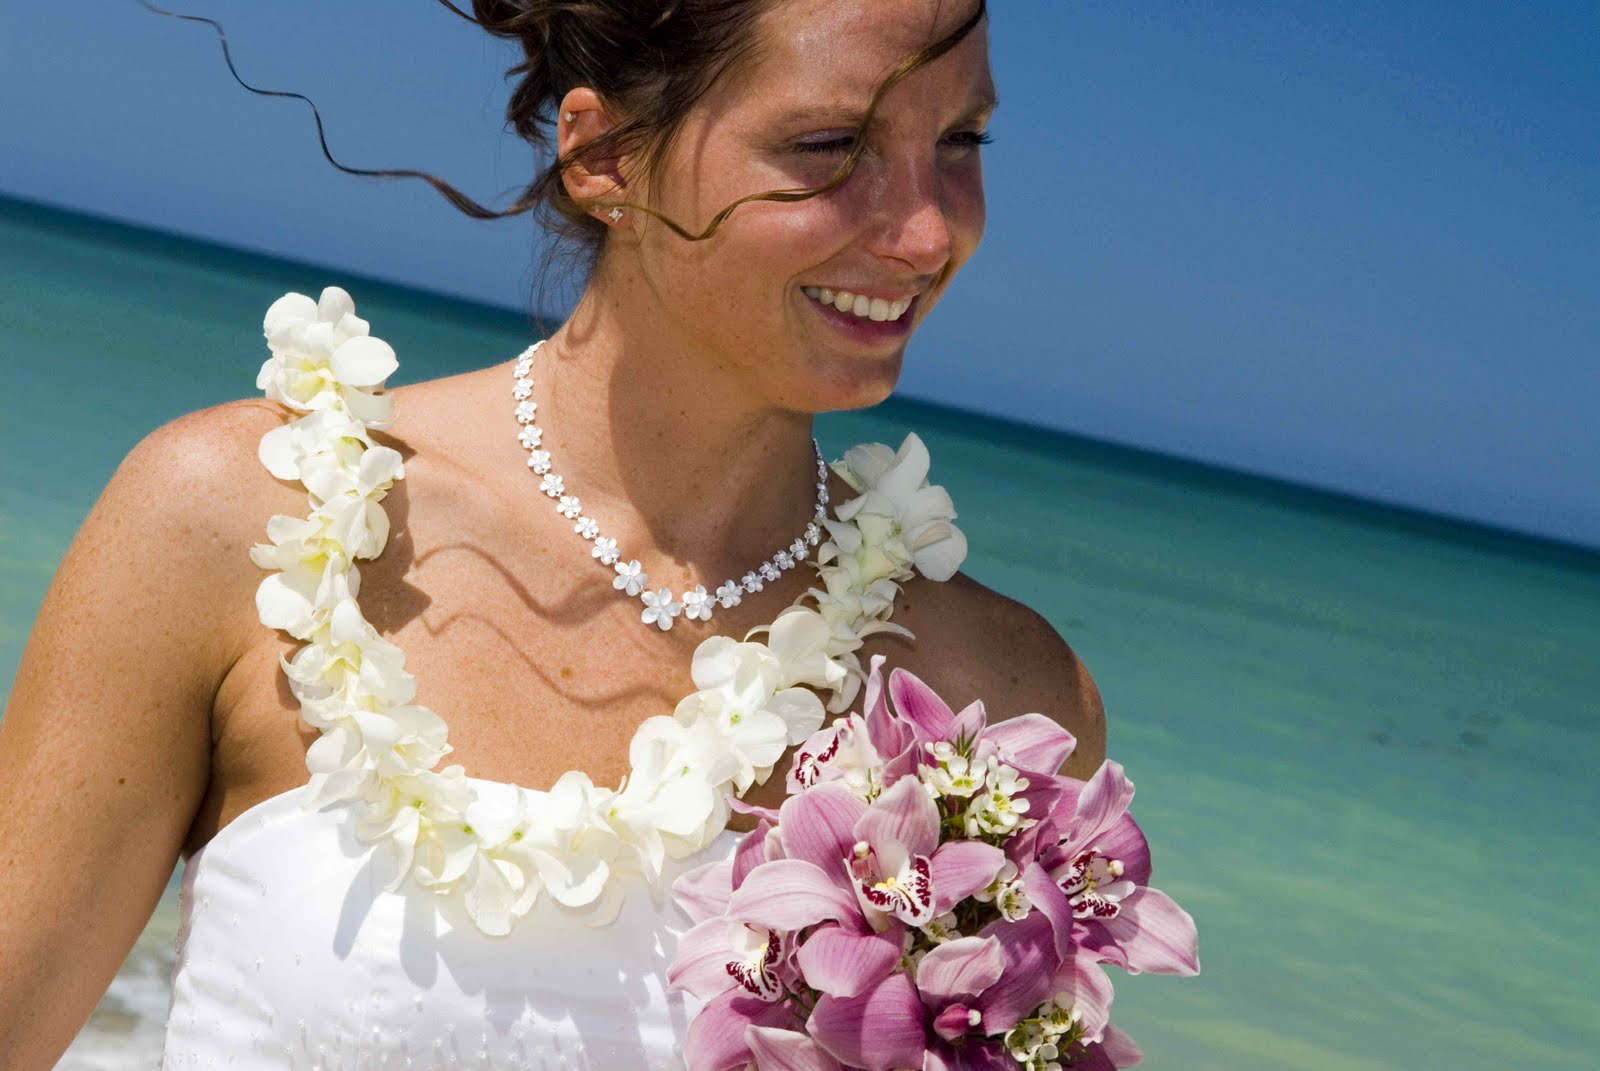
1356, 246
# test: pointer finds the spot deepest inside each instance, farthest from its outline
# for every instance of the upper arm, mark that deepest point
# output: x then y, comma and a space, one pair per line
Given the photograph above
1055, 682
974, 643
105, 742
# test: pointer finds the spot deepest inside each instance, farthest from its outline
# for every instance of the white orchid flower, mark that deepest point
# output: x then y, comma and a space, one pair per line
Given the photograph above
314, 574
416, 815
680, 773
899, 510
351, 661
351, 497
324, 431
359, 748
324, 357
802, 640
743, 692
532, 842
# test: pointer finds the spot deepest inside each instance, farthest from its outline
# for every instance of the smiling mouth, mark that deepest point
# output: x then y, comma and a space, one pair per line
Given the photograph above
862, 307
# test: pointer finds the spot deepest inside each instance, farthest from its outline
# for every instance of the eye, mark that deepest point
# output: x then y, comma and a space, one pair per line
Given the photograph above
970, 139
840, 144
832, 144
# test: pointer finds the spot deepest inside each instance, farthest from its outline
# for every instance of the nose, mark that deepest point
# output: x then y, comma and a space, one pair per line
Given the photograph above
914, 218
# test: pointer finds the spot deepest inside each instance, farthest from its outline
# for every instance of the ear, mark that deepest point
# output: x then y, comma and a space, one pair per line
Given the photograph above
591, 181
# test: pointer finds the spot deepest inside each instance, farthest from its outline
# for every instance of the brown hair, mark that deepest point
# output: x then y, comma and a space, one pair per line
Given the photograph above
649, 61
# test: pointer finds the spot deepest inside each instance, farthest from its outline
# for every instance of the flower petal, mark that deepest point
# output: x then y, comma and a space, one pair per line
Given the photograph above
879, 1030
961, 868
1086, 982
1151, 933
1125, 842
703, 892
846, 964
970, 721
940, 552
789, 894
1030, 960
1032, 741
1048, 898
920, 705
909, 472
287, 311
1103, 800
818, 826
751, 853
700, 965
800, 710
986, 1056
334, 304
363, 361
905, 814
716, 1040
1121, 1049
786, 1050
960, 969
1092, 1058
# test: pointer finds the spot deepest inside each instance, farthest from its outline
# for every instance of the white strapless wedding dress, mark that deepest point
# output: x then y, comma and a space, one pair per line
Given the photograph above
292, 955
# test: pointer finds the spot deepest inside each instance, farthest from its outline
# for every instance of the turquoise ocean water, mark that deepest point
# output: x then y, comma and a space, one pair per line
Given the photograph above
1364, 741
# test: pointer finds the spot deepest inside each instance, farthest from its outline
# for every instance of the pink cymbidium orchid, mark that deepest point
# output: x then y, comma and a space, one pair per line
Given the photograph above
1091, 879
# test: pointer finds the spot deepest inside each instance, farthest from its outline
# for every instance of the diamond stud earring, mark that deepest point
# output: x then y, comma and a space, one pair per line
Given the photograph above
568, 116
615, 214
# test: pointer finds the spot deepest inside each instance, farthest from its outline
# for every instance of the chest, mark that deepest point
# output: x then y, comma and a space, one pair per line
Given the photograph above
516, 638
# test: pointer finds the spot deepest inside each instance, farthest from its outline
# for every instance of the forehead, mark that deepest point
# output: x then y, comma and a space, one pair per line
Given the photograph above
827, 51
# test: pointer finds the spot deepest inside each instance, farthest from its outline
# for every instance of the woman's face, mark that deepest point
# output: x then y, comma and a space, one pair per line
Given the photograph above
885, 242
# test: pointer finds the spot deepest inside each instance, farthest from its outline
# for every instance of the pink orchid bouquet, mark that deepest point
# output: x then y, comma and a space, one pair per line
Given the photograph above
932, 895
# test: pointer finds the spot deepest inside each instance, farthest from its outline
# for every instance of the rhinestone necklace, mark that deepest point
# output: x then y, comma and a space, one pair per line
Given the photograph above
660, 608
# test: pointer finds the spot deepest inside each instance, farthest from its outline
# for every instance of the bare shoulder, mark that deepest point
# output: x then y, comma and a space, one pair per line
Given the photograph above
201, 473
213, 449
183, 509
974, 643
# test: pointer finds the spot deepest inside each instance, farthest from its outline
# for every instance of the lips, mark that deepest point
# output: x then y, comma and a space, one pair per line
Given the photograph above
864, 330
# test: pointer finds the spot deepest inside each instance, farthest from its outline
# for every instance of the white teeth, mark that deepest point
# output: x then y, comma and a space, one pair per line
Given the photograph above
877, 309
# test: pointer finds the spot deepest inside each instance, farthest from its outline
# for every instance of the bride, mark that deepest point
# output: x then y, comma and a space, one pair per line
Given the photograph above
166, 703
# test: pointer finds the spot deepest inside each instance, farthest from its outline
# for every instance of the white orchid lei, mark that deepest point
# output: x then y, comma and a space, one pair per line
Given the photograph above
380, 752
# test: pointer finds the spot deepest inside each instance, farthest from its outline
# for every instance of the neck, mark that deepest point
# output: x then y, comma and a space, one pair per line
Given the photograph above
678, 461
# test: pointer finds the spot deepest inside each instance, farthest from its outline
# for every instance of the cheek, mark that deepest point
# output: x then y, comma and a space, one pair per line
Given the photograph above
967, 210
766, 248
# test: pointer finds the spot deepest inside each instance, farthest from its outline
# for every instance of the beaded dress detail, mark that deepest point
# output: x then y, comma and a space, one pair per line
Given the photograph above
394, 913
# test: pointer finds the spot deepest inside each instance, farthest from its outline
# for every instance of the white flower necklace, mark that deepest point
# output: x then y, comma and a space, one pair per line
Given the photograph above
497, 853
660, 608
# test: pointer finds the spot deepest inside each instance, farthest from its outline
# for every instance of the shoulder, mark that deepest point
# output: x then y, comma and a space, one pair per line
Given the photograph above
174, 526
200, 475
213, 449
974, 643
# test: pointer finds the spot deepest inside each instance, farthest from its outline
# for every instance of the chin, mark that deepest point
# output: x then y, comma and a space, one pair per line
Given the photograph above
854, 384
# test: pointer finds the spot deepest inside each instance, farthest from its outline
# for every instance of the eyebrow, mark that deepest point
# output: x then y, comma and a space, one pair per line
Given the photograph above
851, 115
